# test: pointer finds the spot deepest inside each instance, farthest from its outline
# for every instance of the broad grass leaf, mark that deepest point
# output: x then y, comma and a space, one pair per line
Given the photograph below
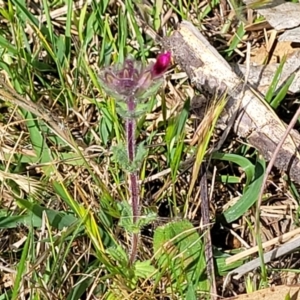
179, 253
250, 196
57, 219
10, 221
243, 162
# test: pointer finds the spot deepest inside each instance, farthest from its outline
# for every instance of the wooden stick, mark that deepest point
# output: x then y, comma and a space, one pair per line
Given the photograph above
254, 119
278, 240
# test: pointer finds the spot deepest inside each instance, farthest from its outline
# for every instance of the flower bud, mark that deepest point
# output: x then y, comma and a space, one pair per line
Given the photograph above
162, 64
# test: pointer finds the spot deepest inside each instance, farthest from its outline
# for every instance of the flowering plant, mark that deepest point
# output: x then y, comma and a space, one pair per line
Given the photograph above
131, 84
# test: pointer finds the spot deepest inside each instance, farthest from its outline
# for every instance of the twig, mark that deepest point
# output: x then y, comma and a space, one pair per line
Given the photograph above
269, 256
270, 165
281, 239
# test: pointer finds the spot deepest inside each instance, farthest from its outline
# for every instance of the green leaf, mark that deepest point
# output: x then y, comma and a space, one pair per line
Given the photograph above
40, 146
243, 162
271, 91
122, 35
174, 137
10, 221
25, 14
119, 255
144, 269
56, 219
179, 252
133, 21
148, 217
106, 124
287, 296
120, 156
229, 179
48, 20
208, 8
126, 220
190, 294
4, 43
141, 154
157, 14
222, 267
238, 37
22, 267
250, 196
283, 91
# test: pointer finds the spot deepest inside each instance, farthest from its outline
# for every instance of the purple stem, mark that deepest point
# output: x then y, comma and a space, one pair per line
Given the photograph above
133, 177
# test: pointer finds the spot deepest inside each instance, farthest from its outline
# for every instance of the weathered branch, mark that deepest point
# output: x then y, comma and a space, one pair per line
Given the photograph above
254, 119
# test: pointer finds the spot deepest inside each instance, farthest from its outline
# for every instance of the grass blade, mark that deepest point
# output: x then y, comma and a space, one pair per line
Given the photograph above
21, 269
282, 93
250, 196
271, 91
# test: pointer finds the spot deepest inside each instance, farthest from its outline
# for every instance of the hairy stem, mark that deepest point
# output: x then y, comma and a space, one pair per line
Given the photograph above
133, 176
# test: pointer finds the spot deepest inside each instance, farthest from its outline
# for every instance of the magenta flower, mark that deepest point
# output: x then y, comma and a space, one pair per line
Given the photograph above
161, 65
132, 79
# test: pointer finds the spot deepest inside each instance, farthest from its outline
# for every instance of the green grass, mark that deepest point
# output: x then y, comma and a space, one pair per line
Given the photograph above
63, 194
